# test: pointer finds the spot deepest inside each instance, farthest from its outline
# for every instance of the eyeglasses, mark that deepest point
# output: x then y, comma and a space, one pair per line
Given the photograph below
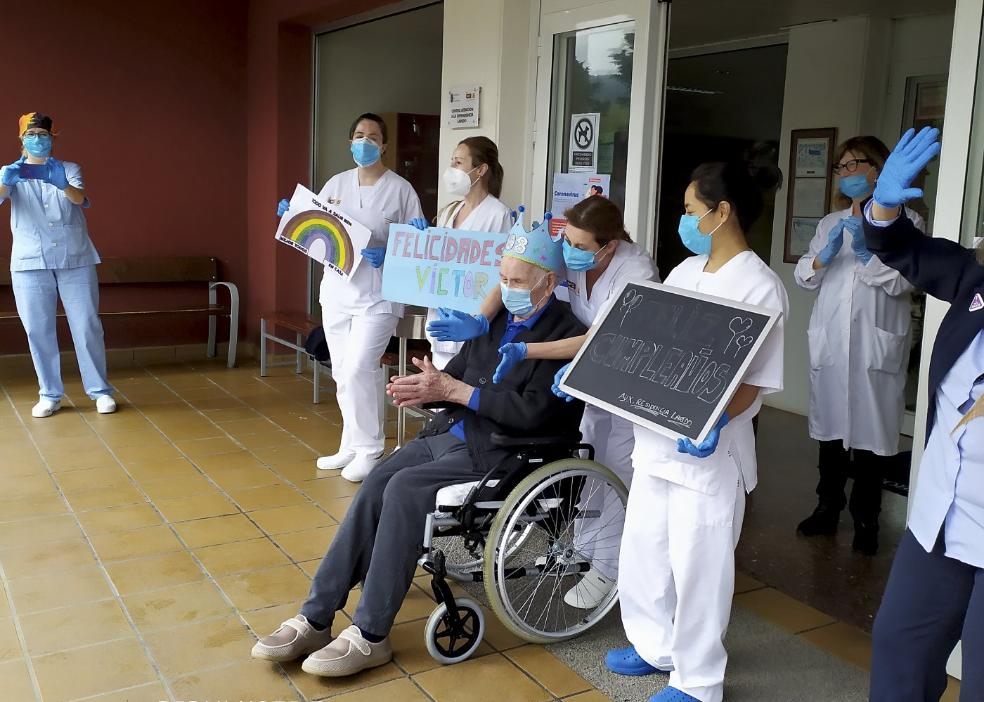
848, 166
36, 134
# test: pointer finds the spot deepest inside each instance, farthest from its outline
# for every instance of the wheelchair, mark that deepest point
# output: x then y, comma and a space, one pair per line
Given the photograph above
529, 531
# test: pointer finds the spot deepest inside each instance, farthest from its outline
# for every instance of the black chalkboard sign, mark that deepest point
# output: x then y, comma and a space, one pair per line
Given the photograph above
668, 359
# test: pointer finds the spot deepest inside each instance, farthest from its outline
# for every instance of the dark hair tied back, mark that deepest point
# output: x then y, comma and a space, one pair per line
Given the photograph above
731, 182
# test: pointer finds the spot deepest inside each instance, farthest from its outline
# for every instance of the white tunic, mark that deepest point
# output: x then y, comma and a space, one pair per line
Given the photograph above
491, 215
859, 344
745, 278
391, 199
629, 263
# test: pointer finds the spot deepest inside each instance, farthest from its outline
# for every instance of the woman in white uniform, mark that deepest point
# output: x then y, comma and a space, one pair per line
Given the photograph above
475, 179
859, 350
358, 322
687, 502
600, 257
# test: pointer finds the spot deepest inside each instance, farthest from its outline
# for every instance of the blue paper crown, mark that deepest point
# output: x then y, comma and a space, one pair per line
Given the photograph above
536, 246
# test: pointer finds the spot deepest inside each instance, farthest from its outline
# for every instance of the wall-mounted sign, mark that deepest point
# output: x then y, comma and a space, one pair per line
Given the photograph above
583, 142
464, 103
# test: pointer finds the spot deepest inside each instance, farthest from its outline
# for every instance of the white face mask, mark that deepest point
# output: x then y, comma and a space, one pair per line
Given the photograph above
457, 182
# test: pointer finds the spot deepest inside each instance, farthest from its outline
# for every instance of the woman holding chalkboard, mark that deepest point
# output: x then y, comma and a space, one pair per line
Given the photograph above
859, 346
687, 502
600, 257
475, 179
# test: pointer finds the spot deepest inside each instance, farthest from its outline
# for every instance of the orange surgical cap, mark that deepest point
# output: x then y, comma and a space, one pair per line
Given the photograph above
33, 120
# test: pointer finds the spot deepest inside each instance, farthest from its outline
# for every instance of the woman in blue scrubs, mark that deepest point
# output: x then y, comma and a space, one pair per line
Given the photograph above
52, 258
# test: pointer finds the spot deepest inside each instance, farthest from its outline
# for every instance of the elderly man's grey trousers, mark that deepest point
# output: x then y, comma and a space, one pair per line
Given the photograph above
378, 542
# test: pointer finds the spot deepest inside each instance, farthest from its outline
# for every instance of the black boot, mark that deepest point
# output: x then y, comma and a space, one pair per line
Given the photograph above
834, 459
866, 499
865, 538
823, 521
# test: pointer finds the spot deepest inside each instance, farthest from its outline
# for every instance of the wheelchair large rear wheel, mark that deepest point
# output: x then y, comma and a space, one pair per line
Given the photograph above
572, 512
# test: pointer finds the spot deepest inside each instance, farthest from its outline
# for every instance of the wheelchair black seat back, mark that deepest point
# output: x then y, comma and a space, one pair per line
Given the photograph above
541, 531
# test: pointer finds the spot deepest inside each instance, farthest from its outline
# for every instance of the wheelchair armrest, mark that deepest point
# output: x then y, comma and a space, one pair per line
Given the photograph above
503, 441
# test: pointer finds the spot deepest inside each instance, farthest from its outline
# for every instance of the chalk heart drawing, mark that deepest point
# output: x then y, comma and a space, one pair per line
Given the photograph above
740, 325
742, 341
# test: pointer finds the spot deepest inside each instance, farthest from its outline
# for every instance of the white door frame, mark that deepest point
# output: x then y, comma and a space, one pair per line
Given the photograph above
948, 210
646, 115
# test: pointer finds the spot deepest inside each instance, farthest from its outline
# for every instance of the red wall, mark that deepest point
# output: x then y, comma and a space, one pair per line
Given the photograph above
190, 120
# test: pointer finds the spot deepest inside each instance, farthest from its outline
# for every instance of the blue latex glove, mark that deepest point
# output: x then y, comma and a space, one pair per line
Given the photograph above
906, 161
558, 376
511, 355
374, 255
419, 222
854, 225
708, 445
11, 173
834, 243
453, 325
282, 207
56, 174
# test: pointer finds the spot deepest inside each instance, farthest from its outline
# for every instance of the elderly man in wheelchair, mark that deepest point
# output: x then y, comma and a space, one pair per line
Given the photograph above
515, 447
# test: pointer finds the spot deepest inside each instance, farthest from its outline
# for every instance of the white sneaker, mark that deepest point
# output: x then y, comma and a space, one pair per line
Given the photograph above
105, 404
590, 592
45, 408
295, 638
336, 460
360, 468
347, 655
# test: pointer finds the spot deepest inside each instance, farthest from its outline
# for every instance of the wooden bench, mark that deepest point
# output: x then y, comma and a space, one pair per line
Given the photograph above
178, 270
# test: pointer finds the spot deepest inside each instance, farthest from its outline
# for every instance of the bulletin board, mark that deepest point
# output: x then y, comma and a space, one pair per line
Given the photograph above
808, 197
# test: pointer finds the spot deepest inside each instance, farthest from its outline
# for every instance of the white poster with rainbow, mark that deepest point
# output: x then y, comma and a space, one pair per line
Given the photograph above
323, 232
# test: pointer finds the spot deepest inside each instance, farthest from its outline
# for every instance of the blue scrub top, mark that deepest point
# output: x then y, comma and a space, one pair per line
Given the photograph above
49, 231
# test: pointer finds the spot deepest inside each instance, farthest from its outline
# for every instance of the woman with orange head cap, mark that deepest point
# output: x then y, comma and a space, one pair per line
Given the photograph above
52, 258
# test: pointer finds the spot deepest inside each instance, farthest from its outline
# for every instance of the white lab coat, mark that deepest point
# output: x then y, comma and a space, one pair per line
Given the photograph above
358, 322
610, 435
491, 215
859, 344
676, 575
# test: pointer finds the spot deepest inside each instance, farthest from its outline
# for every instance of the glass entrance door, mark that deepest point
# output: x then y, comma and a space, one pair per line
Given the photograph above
600, 77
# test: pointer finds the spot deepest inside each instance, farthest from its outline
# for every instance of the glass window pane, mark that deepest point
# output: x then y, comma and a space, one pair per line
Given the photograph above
593, 73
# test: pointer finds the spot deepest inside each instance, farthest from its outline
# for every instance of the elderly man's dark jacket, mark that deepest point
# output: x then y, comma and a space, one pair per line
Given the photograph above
522, 405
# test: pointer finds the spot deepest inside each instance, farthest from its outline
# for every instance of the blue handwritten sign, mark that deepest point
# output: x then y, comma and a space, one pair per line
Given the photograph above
441, 267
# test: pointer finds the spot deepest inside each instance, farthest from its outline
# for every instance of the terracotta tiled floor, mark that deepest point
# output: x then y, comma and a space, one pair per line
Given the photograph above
140, 553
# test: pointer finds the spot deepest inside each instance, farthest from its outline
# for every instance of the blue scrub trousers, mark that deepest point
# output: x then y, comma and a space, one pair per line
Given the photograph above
36, 293
931, 601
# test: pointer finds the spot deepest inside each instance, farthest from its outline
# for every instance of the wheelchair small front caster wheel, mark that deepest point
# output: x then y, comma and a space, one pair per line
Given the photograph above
452, 639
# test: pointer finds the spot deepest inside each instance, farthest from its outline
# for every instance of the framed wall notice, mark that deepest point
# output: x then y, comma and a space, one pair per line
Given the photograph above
808, 198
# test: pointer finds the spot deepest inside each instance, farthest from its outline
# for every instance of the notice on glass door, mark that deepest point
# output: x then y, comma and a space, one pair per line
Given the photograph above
583, 142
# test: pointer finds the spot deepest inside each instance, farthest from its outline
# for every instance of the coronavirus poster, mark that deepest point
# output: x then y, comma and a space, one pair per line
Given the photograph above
569, 189
323, 232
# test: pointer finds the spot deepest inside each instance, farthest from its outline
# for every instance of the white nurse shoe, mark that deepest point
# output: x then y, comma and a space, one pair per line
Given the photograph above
360, 468
105, 404
590, 592
336, 460
45, 408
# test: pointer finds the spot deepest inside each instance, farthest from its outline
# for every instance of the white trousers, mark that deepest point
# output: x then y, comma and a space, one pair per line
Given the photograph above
677, 579
613, 440
356, 343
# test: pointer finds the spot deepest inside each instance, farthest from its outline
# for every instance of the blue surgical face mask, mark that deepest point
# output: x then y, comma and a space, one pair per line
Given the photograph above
365, 152
518, 301
37, 146
692, 237
578, 259
855, 186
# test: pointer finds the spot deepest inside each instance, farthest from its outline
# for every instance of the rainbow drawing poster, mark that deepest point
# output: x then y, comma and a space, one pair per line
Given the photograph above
323, 232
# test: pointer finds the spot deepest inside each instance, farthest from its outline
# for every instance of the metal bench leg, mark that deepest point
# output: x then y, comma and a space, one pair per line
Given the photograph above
401, 412
263, 344
233, 324
298, 354
317, 382
210, 352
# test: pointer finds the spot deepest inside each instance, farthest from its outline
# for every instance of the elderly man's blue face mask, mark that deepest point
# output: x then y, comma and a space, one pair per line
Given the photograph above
518, 301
